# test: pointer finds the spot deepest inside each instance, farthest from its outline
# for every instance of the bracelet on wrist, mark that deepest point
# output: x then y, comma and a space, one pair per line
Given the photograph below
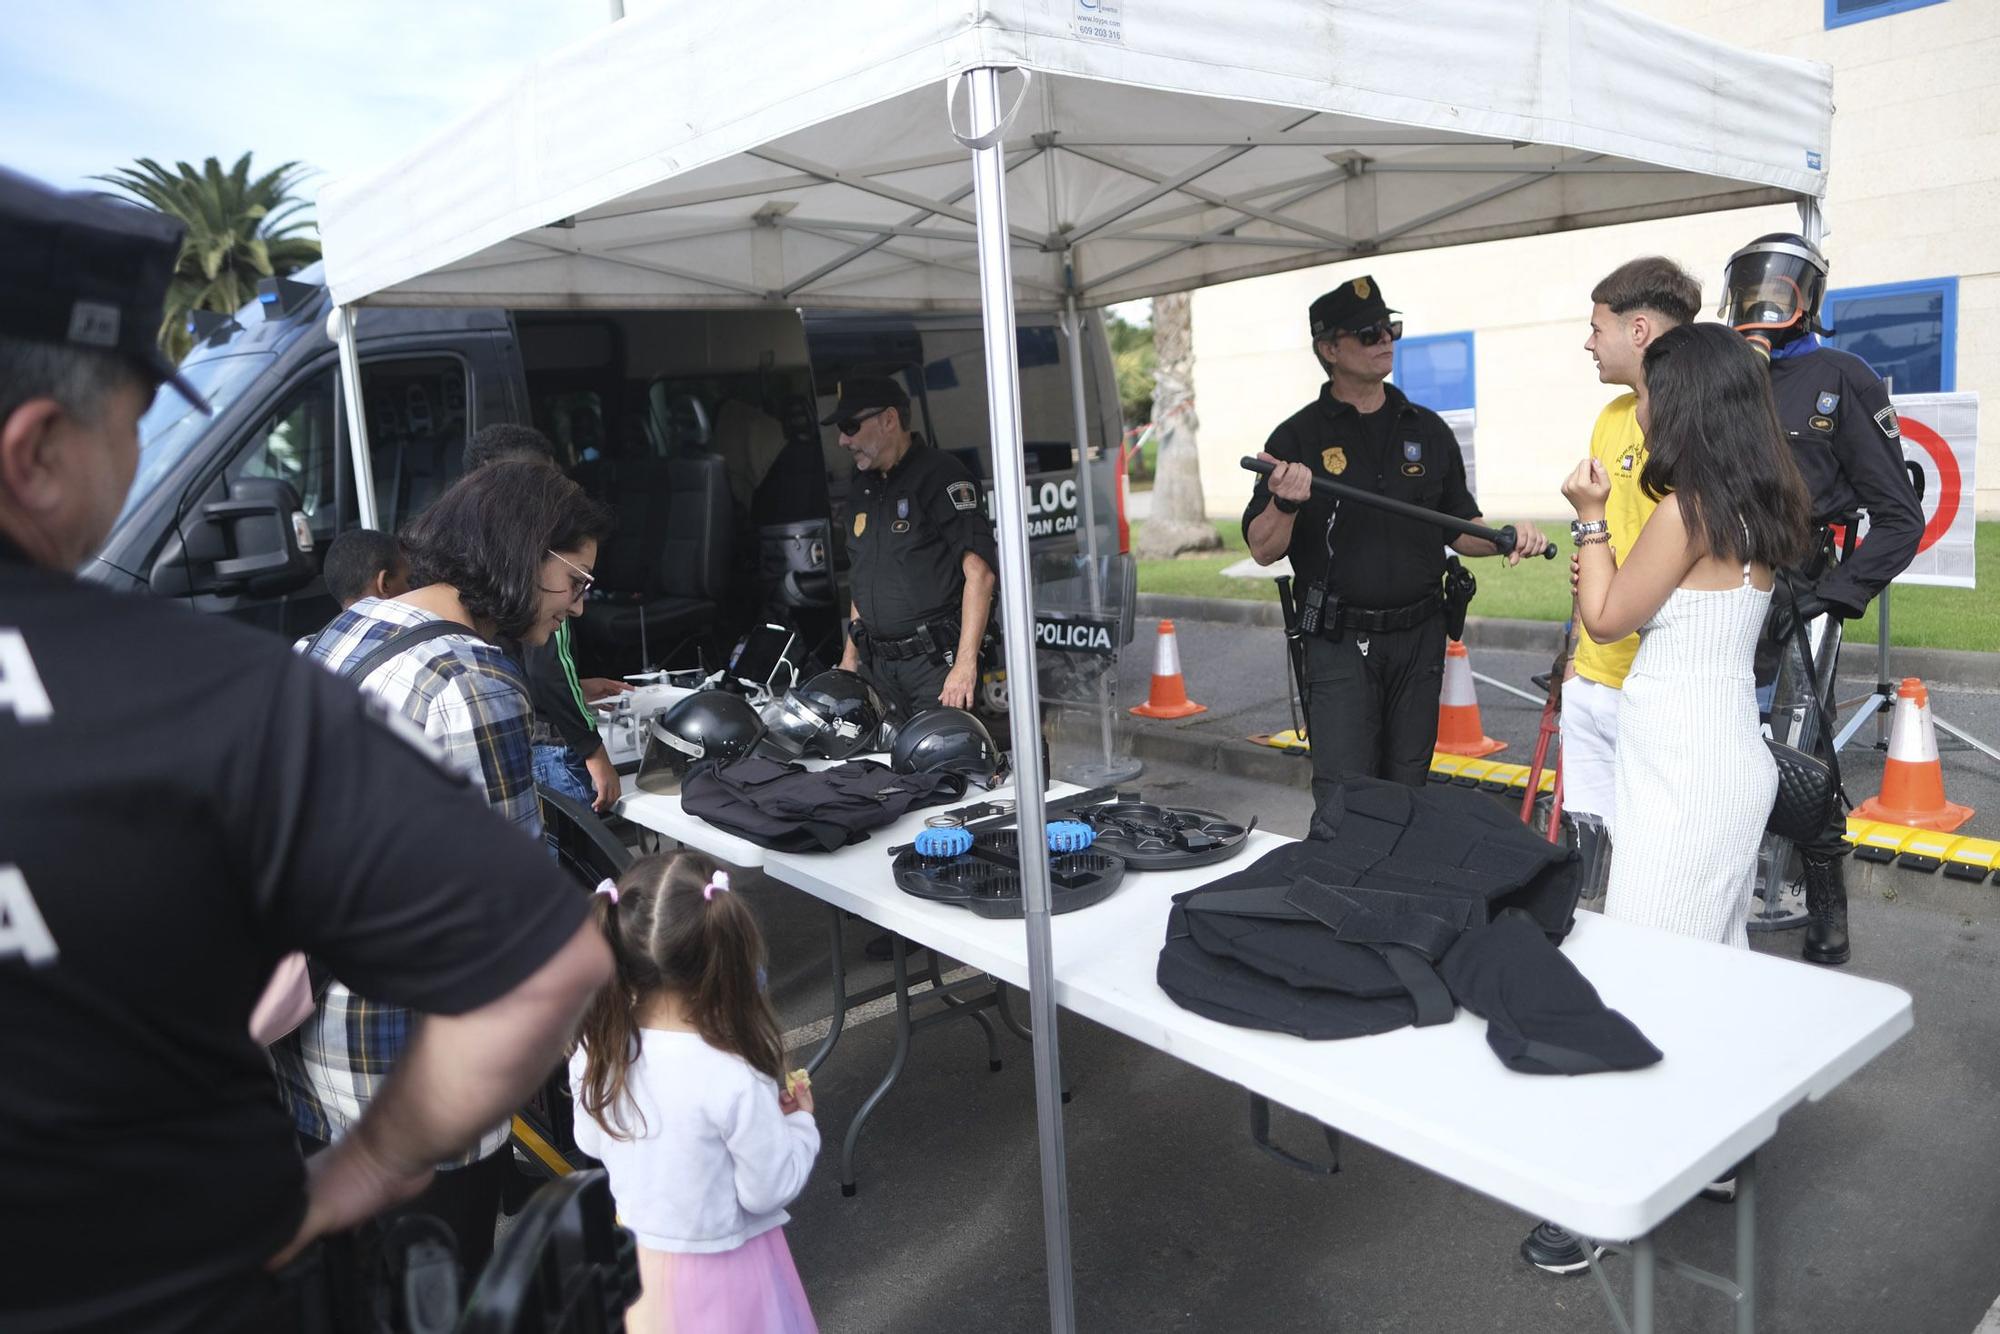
1287, 506
1595, 539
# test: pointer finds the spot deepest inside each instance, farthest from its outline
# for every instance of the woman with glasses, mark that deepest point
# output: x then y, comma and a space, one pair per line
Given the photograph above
504, 555
1368, 582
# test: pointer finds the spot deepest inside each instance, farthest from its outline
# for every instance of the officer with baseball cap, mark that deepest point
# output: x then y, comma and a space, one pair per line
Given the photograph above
921, 555
1371, 606
183, 802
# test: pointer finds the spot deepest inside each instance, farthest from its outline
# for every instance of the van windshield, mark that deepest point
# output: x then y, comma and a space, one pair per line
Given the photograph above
171, 427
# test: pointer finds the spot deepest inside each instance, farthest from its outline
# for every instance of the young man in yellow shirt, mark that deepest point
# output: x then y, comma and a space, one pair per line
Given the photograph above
1640, 300
1636, 303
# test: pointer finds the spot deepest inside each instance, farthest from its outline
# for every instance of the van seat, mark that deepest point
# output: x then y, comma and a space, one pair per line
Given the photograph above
665, 571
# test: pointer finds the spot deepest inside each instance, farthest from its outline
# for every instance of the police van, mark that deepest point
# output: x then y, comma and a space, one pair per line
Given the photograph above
698, 428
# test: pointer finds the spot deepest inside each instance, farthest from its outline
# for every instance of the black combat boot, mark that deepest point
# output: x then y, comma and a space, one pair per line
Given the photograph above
1826, 908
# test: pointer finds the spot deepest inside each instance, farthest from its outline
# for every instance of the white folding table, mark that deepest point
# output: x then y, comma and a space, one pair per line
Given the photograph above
1438, 1096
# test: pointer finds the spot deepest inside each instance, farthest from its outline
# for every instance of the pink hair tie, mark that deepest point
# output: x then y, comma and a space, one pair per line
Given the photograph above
717, 884
608, 888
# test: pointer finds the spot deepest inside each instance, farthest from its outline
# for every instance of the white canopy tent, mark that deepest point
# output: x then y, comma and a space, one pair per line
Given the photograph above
808, 155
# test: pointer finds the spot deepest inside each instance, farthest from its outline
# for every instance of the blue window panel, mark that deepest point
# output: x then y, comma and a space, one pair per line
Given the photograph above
1839, 13
1437, 371
1908, 332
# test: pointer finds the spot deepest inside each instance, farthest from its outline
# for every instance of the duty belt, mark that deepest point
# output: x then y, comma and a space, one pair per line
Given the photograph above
1393, 618
932, 640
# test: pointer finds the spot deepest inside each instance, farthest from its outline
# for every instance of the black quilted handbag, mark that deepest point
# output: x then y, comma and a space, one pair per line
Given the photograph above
1809, 791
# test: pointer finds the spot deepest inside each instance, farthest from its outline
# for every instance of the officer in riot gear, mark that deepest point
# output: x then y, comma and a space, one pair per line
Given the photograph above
1836, 414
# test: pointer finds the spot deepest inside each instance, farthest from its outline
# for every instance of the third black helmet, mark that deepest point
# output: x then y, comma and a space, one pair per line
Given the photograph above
947, 741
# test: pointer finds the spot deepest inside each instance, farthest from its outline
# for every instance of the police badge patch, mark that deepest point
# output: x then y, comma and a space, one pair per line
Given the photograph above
1886, 419
1413, 451
1334, 460
860, 522
964, 495
902, 507
1826, 403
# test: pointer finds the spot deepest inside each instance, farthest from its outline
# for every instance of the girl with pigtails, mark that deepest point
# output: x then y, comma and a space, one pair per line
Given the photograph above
681, 1093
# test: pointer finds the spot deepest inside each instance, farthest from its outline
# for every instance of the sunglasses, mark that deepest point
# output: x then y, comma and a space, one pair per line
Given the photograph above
1389, 329
852, 425
579, 583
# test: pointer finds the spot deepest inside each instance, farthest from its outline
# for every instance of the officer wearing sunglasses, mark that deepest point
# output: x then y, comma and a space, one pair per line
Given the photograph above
921, 556
1369, 584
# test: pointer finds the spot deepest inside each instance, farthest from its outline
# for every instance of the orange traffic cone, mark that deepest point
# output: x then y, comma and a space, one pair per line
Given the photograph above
1912, 783
1168, 698
1459, 729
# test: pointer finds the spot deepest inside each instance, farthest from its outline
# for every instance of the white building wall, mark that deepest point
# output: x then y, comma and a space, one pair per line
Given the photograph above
1914, 193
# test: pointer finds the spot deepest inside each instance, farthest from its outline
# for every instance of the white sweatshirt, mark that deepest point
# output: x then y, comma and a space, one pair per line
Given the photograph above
713, 1162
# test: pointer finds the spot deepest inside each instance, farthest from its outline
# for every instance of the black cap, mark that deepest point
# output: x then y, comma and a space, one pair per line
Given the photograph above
1355, 304
88, 271
859, 393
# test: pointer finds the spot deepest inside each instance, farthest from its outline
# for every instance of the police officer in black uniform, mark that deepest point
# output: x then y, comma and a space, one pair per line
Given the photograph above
182, 802
1369, 583
921, 552
1835, 411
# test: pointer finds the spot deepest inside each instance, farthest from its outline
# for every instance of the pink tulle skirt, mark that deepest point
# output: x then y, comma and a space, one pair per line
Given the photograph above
753, 1289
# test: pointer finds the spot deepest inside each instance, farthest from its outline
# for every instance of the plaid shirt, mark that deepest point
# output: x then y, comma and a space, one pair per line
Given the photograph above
471, 701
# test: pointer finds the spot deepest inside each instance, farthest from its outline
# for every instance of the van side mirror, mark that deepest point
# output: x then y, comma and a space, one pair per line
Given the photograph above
254, 542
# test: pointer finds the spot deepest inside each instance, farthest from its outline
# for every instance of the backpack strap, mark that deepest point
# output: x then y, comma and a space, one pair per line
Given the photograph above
357, 669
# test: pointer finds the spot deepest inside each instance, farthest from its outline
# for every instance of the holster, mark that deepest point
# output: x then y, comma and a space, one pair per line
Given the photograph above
1459, 587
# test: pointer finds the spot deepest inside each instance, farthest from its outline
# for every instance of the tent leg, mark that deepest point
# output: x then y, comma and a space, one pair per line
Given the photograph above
357, 419
1003, 407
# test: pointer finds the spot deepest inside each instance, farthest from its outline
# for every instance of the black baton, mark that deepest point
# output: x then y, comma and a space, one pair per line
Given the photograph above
1502, 538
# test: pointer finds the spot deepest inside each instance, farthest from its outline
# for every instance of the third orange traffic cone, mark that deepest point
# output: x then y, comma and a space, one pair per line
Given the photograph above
1912, 781
1459, 729
1168, 698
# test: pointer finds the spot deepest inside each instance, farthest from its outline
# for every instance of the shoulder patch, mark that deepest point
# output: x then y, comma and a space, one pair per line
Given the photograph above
964, 495
1886, 419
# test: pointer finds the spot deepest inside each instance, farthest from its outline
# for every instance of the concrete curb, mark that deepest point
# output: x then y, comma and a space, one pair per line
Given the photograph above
1943, 666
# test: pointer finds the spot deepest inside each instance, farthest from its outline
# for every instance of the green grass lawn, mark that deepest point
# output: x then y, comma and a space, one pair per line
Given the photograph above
1538, 590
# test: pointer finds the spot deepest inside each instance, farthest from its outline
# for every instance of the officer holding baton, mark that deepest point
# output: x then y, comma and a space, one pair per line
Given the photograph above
1371, 584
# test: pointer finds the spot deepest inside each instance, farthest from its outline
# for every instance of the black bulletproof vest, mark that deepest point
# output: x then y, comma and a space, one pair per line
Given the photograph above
1404, 904
787, 808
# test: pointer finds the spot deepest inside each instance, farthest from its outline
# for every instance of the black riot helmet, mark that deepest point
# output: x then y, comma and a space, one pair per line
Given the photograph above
833, 715
707, 725
1772, 289
946, 741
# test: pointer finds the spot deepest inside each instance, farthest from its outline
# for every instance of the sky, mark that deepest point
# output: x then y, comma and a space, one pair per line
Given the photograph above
87, 86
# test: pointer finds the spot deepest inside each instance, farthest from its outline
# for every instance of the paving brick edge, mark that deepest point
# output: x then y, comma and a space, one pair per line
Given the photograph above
1942, 666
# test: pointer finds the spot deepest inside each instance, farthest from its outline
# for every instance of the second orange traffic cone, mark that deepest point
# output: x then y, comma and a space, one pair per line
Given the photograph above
1459, 730
1912, 781
1168, 697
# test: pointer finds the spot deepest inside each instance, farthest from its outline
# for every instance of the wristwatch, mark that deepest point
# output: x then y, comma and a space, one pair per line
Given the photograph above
1578, 530
1287, 506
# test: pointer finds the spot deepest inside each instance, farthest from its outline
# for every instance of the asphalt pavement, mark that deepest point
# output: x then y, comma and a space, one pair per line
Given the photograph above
1881, 1204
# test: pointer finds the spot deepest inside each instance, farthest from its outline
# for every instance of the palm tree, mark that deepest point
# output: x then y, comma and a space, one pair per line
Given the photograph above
1180, 518
238, 230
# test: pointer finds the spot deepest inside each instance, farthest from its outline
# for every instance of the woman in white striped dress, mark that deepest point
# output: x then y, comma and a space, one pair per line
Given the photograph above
1695, 781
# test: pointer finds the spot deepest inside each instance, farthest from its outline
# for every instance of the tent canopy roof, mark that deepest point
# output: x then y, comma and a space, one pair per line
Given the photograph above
708, 155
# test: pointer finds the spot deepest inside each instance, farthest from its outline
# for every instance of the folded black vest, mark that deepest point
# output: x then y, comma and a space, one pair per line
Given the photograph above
790, 809
1349, 933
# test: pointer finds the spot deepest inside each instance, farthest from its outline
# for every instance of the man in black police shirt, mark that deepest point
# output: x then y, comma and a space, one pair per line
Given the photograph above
183, 801
1374, 670
921, 552
1835, 411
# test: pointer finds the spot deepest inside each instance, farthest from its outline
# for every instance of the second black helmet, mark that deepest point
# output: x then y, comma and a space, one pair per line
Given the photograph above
832, 715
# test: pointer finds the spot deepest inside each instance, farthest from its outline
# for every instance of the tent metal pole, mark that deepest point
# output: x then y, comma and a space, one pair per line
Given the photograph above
342, 322
1003, 406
